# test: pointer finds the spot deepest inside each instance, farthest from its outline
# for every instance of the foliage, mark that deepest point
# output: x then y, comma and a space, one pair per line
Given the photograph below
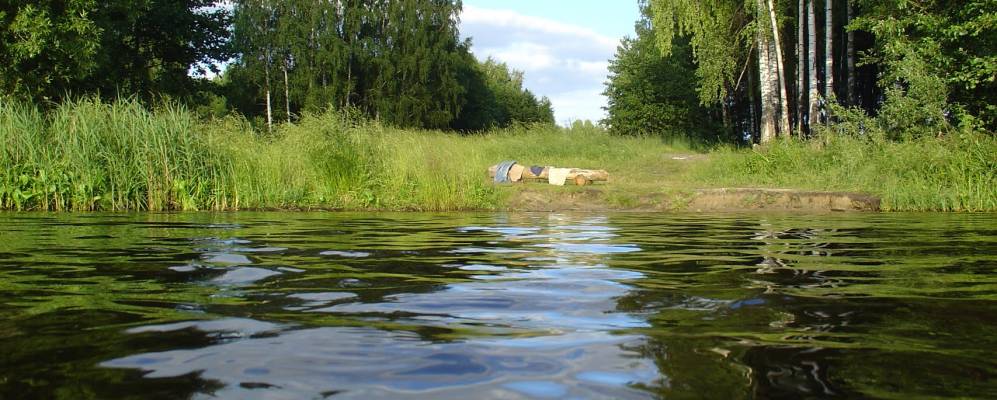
399, 62
89, 155
146, 48
940, 62
496, 98
715, 30
928, 67
652, 94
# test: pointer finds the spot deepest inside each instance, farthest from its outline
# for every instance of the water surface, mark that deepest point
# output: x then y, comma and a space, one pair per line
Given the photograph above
457, 306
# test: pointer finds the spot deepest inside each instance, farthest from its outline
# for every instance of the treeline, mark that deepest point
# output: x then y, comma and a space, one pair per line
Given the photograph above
398, 61
763, 69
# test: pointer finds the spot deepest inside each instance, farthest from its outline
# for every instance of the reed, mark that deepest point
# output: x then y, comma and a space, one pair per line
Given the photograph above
88, 155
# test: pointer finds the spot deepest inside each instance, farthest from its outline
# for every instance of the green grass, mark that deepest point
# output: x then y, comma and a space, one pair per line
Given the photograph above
957, 173
88, 155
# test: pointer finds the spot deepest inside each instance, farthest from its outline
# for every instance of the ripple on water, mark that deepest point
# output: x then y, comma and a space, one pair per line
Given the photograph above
264, 305
365, 363
244, 276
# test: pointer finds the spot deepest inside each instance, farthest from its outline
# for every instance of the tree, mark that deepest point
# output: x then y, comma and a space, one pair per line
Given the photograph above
813, 96
495, 98
938, 63
829, 50
766, 77
850, 55
46, 49
398, 61
256, 39
652, 94
718, 32
800, 66
145, 48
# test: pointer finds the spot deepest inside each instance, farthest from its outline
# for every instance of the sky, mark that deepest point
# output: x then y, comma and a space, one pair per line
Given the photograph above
562, 46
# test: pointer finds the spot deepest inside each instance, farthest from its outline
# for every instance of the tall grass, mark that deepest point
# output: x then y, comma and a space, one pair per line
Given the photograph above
330, 161
88, 155
957, 173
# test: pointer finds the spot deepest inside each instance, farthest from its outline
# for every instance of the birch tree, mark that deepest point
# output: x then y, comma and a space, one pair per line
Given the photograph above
850, 54
766, 77
784, 128
829, 50
256, 38
800, 66
812, 93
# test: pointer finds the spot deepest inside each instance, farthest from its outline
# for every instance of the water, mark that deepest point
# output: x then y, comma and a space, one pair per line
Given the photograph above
457, 306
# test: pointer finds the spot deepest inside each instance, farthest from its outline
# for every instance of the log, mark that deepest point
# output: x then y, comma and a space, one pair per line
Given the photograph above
594, 175
577, 176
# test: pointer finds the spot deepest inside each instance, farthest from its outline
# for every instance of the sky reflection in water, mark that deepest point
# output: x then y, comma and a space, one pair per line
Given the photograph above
269, 305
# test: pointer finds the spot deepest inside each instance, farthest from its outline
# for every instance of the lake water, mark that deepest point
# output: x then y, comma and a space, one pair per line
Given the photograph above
459, 306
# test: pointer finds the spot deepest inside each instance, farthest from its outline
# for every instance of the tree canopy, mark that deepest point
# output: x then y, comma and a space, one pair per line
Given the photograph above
895, 68
650, 93
50, 49
402, 62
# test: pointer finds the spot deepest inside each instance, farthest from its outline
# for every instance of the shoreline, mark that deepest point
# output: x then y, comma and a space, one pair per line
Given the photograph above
594, 199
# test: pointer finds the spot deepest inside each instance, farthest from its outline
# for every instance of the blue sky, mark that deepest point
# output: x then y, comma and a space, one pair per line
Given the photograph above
562, 46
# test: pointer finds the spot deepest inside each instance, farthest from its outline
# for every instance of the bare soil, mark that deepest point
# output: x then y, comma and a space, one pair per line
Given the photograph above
698, 200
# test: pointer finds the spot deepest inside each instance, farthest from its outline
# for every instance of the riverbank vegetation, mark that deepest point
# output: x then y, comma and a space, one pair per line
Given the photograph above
381, 105
90, 155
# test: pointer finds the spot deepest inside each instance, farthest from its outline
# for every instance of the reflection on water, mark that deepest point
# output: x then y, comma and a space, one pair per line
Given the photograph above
278, 305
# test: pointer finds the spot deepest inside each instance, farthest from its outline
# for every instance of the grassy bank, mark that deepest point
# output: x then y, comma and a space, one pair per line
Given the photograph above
930, 174
92, 156
87, 155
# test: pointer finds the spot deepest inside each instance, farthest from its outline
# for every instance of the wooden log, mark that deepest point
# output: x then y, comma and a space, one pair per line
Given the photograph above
594, 175
590, 175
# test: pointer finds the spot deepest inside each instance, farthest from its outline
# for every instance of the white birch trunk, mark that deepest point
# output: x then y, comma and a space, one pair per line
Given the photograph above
813, 94
800, 68
829, 50
269, 111
784, 127
287, 94
768, 122
852, 95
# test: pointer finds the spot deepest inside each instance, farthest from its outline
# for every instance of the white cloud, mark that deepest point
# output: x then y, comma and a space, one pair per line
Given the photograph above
564, 62
513, 20
525, 56
579, 104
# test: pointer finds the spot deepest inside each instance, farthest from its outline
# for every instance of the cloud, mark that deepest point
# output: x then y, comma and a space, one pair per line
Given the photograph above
518, 22
564, 62
579, 104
